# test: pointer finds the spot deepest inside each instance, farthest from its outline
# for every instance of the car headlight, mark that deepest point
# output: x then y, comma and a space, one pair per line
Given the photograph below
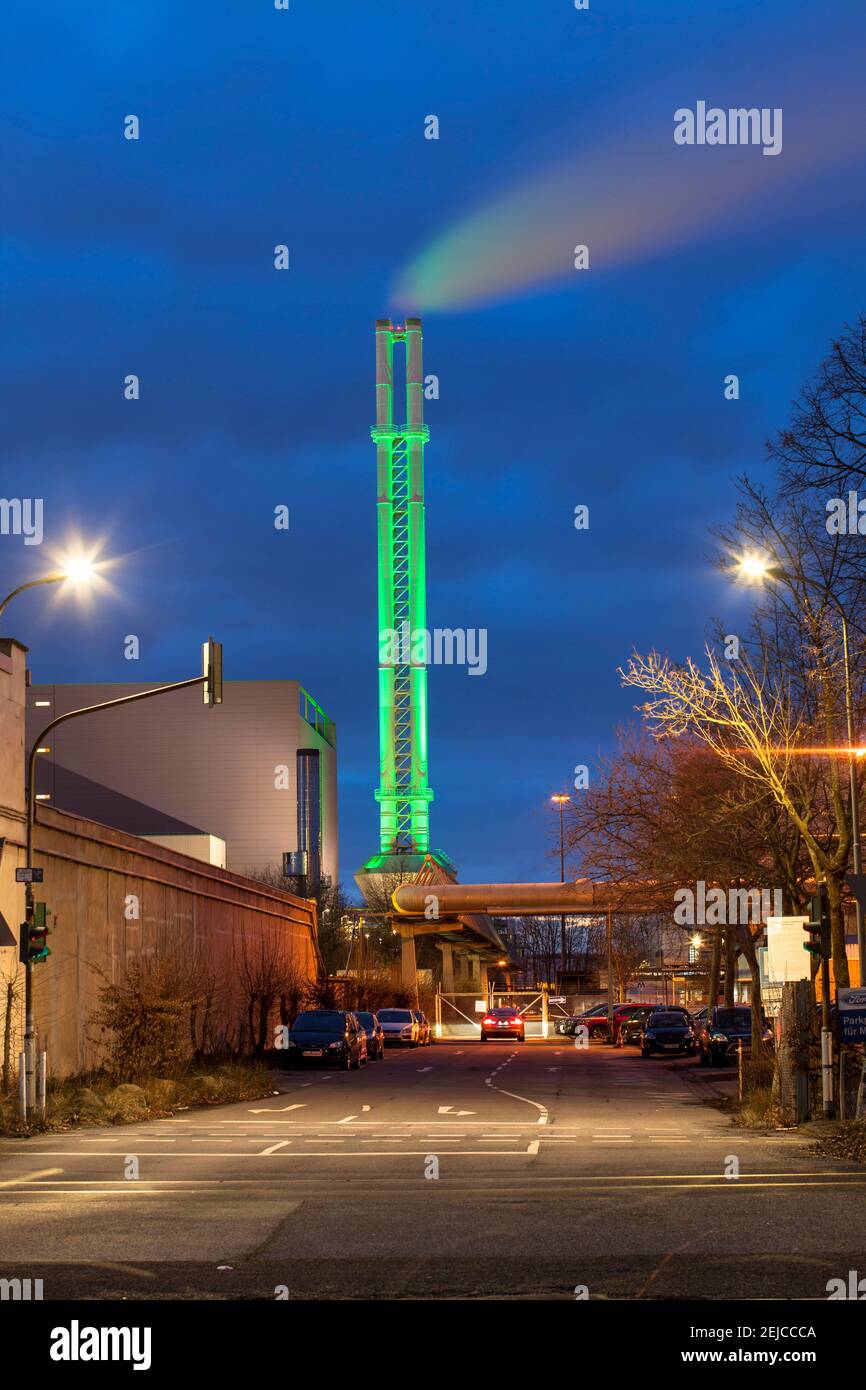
718, 1037
650, 1035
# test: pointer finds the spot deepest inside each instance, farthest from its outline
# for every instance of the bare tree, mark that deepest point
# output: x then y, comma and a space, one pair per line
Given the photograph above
824, 445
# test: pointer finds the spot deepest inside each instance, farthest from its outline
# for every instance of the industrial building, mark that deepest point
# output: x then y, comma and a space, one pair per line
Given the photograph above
246, 785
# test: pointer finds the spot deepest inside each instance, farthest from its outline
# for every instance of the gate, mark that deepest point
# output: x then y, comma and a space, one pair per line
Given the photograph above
459, 1014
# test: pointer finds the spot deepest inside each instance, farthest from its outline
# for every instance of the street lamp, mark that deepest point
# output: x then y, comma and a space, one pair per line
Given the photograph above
560, 800
755, 569
211, 681
78, 570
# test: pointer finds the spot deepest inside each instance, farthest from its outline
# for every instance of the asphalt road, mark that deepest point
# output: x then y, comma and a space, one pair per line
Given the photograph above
458, 1170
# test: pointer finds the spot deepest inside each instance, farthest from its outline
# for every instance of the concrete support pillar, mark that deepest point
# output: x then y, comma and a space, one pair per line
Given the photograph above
483, 985
447, 966
409, 968
460, 968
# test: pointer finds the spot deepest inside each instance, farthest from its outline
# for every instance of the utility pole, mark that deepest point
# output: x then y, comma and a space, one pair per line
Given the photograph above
854, 795
610, 975
561, 801
820, 944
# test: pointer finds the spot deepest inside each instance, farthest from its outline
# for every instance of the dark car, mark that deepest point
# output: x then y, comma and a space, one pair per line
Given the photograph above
327, 1037
722, 1032
375, 1036
503, 1023
667, 1032
632, 1026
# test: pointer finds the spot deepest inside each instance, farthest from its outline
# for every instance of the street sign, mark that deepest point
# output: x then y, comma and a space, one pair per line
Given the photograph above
556, 999
29, 875
852, 1015
857, 884
785, 959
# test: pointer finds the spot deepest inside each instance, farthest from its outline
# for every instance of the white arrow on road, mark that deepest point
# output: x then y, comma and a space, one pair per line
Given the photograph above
449, 1110
420, 1069
270, 1110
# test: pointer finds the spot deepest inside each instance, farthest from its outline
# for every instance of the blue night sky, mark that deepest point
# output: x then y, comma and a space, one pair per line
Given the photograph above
558, 387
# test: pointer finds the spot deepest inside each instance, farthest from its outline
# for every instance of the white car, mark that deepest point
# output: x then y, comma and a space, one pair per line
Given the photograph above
398, 1025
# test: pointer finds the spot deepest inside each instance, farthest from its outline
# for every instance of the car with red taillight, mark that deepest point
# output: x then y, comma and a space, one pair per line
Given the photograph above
503, 1023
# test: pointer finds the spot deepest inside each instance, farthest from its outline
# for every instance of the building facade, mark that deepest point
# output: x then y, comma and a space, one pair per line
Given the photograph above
256, 774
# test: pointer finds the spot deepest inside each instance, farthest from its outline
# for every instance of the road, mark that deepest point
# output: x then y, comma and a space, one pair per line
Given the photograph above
558, 1169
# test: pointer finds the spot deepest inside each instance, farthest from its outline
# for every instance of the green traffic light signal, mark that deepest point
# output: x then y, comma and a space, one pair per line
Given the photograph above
33, 946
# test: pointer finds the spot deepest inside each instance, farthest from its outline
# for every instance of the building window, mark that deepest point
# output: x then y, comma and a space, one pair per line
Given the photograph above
310, 811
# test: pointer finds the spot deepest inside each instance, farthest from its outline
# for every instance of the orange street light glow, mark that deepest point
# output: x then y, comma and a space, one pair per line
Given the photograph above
832, 752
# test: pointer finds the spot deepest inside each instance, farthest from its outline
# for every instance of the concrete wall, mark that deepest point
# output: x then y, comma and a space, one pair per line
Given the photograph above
214, 770
115, 898
95, 876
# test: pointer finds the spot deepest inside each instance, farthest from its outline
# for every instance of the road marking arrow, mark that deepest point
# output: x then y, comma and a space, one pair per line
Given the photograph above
421, 1069
449, 1110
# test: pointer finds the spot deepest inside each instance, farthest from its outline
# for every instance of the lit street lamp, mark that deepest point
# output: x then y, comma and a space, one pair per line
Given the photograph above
754, 569
77, 570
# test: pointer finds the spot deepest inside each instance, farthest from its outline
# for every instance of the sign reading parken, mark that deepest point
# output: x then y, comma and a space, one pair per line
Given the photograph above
28, 875
852, 1015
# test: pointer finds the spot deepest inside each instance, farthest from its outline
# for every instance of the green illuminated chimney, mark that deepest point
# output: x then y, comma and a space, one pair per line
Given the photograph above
404, 794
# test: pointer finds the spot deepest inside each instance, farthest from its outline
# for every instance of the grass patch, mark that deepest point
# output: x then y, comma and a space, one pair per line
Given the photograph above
758, 1109
97, 1099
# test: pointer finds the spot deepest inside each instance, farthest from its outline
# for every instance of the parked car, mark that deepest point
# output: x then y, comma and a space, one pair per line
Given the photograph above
672, 1009
375, 1037
722, 1032
503, 1023
667, 1032
425, 1032
632, 1026
596, 1020
399, 1026
327, 1036
568, 1022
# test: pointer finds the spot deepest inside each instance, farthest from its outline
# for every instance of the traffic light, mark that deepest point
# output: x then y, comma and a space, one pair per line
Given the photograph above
819, 943
33, 946
212, 670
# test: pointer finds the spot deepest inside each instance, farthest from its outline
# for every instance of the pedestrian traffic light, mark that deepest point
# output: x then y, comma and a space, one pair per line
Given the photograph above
212, 670
33, 945
819, 943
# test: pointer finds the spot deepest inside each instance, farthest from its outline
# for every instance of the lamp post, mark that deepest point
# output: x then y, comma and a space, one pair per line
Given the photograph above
76, 570
754, 569
561, 801
211, 680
